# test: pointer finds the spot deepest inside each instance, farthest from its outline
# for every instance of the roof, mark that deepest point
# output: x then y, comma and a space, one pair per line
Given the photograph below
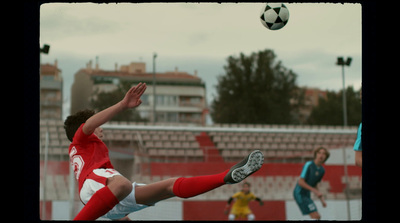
48, 69
167, 76
314, 91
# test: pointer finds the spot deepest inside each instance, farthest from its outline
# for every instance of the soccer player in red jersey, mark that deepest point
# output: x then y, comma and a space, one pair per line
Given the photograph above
105, 192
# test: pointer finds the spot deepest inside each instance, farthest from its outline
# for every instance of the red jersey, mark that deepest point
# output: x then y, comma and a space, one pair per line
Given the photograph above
87, 152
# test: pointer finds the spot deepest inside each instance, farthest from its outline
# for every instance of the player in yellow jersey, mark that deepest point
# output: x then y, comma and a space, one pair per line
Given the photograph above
240, 208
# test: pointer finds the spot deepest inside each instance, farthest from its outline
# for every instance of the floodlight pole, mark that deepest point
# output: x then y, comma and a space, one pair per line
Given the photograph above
154, 87
344, 99
346, 181
341, 62
45, 49
71, 193
44, 179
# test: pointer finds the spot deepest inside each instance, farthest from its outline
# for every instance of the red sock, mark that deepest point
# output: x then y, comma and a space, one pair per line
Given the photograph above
99, 204
192, 186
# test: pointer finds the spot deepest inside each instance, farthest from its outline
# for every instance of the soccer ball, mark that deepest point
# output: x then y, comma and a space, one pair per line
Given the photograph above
274, 16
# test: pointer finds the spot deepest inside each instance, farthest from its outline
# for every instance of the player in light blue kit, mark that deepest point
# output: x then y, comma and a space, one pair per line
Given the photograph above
358, 147
311, 175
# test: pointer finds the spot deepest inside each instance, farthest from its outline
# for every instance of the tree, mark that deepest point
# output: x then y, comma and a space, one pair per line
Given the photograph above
107, 99
330, 110
255, 89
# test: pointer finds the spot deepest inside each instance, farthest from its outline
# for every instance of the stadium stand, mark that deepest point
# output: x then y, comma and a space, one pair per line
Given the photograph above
288, 142
161, 152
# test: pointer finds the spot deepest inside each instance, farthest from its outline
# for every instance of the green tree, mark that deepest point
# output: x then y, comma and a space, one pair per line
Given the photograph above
330, 110
256, 89
107, 99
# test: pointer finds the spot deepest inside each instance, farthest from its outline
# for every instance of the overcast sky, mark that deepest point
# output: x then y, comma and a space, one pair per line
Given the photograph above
193, 36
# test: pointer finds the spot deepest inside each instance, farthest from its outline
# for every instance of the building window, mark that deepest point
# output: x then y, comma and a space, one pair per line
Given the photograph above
167, 117
167, 100
190, 117
48, 77
190, 101
145, 99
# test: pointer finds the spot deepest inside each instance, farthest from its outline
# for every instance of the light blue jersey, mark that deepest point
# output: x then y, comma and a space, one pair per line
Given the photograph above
357, 144
312, 174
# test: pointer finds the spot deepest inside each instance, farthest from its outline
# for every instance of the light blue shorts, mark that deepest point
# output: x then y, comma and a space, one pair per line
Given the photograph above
126, 206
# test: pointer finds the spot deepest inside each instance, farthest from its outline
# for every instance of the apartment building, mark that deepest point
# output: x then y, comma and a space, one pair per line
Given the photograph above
180, 96
51, 84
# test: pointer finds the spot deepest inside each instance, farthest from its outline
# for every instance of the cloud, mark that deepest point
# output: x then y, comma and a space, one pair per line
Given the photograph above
60, 21
318, 69
201, 36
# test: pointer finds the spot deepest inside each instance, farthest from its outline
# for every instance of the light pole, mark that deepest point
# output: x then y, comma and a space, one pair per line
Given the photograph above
45, 50
341, 62
154, 87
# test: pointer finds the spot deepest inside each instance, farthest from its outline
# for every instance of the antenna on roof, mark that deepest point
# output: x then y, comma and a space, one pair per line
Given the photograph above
97, 63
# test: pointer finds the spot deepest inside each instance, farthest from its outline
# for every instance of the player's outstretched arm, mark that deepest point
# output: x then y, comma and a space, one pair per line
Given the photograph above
228, 205
358, 158
131, 100
259, 201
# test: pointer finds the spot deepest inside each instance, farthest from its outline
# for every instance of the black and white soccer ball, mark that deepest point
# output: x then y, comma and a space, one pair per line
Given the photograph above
274, 16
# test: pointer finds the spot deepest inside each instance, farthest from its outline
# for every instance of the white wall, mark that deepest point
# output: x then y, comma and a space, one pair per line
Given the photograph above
335, 210
164, 210
172, 210
336, 156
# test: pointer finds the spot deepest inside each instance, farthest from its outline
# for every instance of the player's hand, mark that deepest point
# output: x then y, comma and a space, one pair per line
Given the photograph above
226, 211
318, 194
132, 97
323, 203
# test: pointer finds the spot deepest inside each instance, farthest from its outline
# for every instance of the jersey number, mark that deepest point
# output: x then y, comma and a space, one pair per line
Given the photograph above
76, 162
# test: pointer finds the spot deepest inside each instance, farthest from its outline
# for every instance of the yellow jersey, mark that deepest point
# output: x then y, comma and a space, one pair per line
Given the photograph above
241, 205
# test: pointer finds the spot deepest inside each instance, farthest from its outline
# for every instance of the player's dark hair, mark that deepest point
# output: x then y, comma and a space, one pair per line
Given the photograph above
72, 123
326, 151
